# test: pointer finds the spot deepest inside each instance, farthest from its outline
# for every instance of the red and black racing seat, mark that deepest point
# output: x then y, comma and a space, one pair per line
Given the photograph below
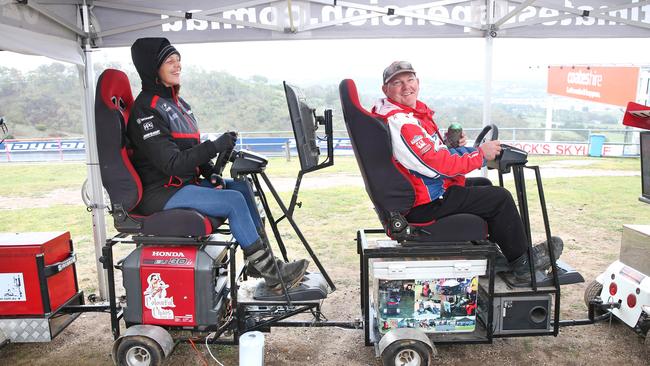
113, 102
390, 192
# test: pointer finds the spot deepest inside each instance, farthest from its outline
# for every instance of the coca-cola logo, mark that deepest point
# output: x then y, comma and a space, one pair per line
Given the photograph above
167, 254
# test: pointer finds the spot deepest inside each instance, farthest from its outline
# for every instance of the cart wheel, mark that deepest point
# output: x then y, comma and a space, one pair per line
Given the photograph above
406, 353
139, 351
592, 291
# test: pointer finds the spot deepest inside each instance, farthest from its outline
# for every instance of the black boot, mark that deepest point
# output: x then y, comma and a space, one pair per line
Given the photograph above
540, 252
521, 266
521, 269
252, 271
501, 263
260, 258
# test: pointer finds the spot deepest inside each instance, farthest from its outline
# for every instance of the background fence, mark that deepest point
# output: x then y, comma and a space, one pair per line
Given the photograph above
573, 142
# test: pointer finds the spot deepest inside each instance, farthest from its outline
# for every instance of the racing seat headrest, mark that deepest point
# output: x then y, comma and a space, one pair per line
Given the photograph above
387, 187
113, 102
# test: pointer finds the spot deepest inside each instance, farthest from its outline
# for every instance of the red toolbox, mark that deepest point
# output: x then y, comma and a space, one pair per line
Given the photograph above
37, 278
36, 272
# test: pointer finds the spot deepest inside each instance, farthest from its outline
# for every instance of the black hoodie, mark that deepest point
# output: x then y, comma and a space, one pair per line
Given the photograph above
164, 135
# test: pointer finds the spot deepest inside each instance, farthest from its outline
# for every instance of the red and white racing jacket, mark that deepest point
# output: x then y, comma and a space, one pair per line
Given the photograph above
419, 151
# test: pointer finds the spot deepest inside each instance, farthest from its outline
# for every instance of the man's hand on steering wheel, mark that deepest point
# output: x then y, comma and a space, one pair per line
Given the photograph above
491, 146
491, 149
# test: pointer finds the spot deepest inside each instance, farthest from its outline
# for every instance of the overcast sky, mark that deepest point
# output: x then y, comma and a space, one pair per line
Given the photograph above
307, 62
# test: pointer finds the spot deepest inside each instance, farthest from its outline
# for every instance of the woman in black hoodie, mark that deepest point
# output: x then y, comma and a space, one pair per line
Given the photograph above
175, 167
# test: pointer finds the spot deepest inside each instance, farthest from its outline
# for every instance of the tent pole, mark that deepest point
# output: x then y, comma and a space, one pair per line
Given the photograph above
548, 133
92, 162
487, 99
94, 176
487, 93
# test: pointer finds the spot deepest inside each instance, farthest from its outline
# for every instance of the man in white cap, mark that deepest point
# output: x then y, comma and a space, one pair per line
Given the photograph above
421, 153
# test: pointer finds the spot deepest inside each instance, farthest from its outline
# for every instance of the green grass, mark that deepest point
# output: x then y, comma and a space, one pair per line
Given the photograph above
33, 179
280, 167
585, 162
591, 202
73, 218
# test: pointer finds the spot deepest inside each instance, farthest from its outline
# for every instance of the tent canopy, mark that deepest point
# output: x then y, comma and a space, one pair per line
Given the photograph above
52, 27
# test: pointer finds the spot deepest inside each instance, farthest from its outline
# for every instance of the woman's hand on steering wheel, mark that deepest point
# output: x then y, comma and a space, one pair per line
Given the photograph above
221, 162
225, 142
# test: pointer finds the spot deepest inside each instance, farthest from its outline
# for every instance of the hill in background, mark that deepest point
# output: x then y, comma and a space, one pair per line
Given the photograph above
46, 102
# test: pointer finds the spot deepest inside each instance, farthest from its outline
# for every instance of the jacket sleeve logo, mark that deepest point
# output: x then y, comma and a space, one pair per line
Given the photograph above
140, 120
147, 126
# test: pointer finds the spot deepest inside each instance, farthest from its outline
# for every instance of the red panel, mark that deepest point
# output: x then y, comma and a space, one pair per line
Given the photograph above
167, 275
18, 272
637, 115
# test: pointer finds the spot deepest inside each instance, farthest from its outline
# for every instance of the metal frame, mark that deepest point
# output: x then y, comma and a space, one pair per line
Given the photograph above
243, 310
467, 250
520, 187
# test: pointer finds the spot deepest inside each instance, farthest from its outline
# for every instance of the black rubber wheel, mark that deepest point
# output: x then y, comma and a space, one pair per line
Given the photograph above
594, 288
139, 351
406, 353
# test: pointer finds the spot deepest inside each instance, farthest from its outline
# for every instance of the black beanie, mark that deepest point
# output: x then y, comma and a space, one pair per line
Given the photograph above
166, 50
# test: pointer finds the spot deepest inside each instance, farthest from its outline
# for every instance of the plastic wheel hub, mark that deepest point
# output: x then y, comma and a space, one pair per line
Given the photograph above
138, 356
408, 357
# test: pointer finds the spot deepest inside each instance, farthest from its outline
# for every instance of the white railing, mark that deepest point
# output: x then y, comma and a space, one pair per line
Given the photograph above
618, 142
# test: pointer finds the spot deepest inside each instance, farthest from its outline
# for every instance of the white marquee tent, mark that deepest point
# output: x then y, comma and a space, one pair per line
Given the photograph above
68, 30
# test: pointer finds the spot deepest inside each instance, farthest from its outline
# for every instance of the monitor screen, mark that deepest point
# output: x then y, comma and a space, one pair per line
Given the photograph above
304, 127
645, 164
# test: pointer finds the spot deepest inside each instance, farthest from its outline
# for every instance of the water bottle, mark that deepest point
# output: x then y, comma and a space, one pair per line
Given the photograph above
251, 349
454, 134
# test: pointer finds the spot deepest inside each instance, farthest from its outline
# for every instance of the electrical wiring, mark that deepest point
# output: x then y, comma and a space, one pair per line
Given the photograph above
204, 361
227, 320
208, 347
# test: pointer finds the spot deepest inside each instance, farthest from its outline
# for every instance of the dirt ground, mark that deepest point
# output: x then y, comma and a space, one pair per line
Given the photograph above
88, 340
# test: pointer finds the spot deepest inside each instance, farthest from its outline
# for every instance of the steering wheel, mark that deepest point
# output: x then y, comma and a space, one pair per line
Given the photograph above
481, 138
221, 162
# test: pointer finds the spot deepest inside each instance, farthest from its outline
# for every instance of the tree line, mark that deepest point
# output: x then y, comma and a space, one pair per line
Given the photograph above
47, 102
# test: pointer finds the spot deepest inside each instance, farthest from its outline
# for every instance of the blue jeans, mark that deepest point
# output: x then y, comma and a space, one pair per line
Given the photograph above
235, 202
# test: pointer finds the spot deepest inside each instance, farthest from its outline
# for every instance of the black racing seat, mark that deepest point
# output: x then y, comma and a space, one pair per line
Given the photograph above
388, 189
113, 102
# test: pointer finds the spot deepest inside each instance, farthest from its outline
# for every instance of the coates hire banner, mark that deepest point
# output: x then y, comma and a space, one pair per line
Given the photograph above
609, 85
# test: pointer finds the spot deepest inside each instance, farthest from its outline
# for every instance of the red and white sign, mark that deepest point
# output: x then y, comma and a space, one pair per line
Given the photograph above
558, 148
602, 84
167, 275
